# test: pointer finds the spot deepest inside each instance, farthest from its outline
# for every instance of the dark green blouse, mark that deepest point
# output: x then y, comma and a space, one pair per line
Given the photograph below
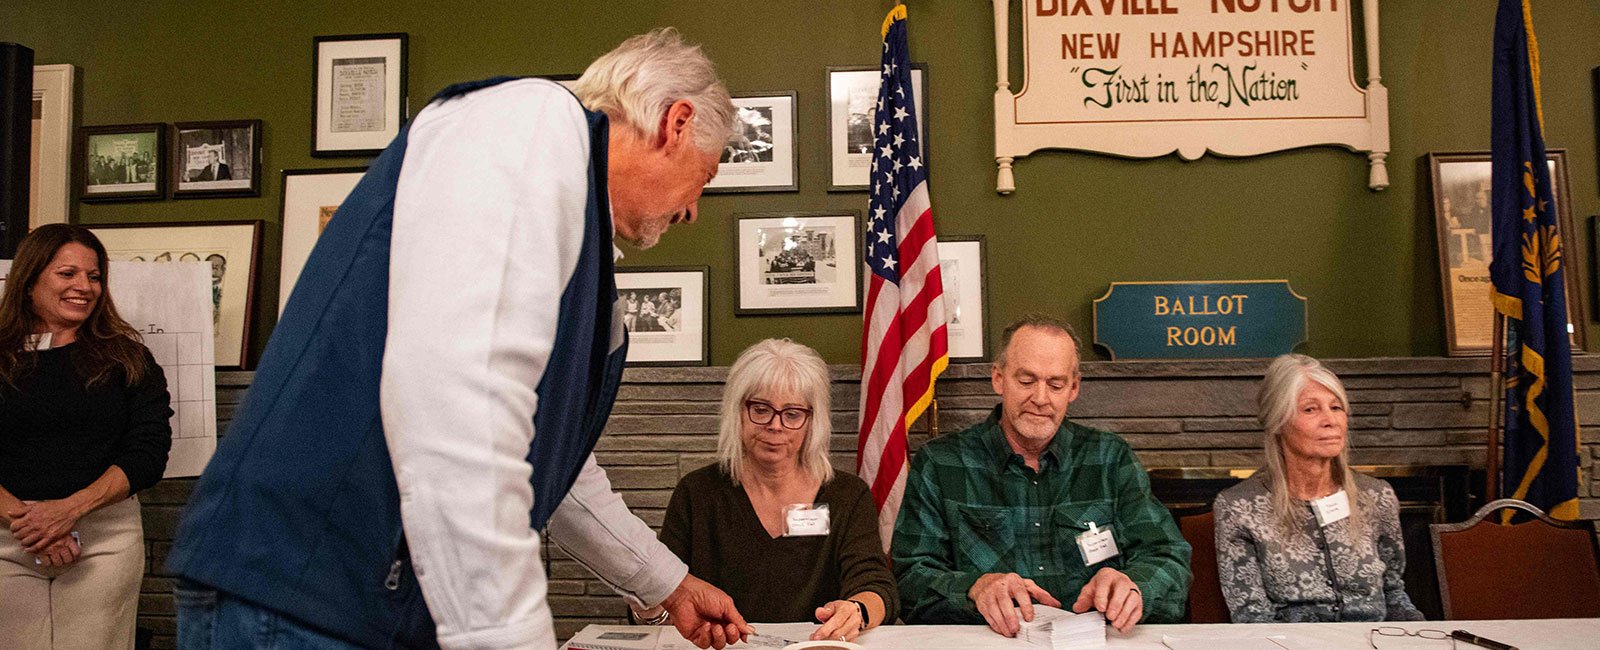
711, 525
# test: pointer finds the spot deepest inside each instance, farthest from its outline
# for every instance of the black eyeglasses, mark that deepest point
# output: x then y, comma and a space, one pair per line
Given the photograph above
762, 413
1431, 635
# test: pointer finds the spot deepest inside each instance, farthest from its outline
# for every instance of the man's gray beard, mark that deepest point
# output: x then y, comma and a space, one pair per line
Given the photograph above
650, 232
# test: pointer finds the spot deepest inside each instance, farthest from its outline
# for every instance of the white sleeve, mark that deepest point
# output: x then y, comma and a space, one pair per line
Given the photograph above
488, 223
593, 525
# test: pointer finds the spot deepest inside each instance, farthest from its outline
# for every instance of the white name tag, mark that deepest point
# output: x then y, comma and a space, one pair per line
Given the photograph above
1097, 545
1331, 508
803, 520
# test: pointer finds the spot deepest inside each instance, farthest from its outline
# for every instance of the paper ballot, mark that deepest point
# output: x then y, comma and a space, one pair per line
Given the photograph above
1059, 629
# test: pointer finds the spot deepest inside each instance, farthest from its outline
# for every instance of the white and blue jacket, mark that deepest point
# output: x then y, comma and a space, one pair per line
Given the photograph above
433, 392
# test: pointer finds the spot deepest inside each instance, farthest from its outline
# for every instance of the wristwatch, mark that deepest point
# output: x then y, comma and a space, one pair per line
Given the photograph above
863, 607
658, 619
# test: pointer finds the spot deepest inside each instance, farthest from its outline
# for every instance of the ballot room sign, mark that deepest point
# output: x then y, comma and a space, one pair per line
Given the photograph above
1199, 320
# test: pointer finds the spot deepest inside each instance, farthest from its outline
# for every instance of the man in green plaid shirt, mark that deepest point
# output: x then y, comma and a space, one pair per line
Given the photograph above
992, 515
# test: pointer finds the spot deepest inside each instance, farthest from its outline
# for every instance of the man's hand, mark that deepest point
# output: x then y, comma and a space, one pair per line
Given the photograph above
704, 615
1114, 594
998, 595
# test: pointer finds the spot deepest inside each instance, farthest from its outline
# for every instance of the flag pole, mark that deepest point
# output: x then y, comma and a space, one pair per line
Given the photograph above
1497, 380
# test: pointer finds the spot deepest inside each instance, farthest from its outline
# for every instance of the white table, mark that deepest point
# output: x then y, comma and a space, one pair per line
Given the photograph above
1548, 634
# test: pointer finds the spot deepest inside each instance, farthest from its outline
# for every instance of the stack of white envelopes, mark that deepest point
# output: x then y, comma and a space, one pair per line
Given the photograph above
1059, 629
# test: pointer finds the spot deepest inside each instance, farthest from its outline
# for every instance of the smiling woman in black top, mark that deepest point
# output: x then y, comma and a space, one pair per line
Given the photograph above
83, 426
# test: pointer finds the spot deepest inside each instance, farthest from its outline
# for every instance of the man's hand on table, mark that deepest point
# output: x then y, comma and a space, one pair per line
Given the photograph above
705, 615
998, 596
1114, 594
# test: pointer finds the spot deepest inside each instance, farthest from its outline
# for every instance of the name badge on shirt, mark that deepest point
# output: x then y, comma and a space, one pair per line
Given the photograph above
805, 520
1097, 545
1331, 508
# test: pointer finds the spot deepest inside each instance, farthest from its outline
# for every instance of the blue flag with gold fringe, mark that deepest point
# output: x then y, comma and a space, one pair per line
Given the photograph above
1528, 271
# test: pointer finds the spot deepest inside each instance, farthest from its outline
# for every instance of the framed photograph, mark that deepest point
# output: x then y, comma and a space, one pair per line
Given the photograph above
966, 300
216, 159
232, 247
1461, 207
359, 93
852, 96
667, 315
760, 156
310, 198
798, 262
122, 162
50, 157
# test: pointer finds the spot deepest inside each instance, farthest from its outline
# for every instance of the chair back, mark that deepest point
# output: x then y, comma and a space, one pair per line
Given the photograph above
1205, 591
1541, 568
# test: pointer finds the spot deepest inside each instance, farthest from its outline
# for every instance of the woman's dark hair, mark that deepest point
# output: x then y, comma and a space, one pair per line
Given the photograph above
107, 344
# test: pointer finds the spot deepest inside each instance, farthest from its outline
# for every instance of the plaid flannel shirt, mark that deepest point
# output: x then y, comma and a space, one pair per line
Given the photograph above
972, 506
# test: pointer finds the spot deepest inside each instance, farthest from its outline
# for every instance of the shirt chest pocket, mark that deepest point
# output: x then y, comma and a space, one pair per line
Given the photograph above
986, 537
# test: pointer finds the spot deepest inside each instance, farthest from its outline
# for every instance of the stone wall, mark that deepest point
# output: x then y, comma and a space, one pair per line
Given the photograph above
1427, 411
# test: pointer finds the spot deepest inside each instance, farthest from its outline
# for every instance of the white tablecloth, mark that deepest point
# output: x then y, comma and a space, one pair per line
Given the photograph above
1549, 634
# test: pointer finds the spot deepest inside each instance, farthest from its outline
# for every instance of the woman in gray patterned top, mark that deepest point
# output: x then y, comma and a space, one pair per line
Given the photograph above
1277, 562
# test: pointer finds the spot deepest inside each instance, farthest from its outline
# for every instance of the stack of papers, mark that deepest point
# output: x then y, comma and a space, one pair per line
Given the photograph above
1059, 629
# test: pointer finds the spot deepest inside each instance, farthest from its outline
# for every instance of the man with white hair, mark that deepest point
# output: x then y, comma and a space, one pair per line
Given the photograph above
433, 392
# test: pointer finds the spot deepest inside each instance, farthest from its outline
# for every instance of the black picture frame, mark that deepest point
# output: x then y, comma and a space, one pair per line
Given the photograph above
784, 143
846, 230
324, 144
630, 275
94, 177
835, 156
188, 182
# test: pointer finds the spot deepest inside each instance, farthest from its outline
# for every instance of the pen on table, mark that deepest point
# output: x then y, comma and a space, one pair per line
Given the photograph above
1463, 635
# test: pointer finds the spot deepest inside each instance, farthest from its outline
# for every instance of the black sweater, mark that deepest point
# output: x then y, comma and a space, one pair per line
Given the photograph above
57, 436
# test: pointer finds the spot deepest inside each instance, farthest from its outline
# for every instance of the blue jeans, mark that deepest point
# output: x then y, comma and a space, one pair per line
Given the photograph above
208, 620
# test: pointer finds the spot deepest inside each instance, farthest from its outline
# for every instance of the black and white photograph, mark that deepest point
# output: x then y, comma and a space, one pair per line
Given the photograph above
798, 262
852, 101
798, 255
760, 156
1463, 218
359, 91
961, 270
665, 312
216, 159
122, 162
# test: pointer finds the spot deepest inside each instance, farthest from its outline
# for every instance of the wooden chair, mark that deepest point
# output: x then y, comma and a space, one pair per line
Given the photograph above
1543, 568
1205, 591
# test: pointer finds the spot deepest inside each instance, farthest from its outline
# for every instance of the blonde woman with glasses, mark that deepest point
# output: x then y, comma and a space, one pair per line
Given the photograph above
770, 522
1306, 539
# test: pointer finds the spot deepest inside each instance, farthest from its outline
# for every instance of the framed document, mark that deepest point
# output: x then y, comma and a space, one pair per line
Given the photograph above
359, 91
666, 313
798, 262
232, 247
1461, 207
50, 159
216, 159
966, 298
310, 198
760, 156
852, 97
122, 162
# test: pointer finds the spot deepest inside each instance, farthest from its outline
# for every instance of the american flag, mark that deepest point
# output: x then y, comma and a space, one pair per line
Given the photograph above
903, 346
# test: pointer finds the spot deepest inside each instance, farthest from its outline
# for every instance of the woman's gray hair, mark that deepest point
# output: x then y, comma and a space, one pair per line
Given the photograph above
1276, 404
636, 82
778, 365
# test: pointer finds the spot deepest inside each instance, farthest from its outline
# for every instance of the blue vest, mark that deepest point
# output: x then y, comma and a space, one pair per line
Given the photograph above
298, 511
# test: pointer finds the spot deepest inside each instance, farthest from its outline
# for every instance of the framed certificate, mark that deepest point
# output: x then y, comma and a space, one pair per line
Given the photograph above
359, 93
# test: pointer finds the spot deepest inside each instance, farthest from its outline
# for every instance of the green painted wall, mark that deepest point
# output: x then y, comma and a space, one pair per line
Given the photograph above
1366, 260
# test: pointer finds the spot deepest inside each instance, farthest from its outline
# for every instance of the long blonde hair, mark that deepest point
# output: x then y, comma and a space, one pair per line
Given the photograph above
1276, 402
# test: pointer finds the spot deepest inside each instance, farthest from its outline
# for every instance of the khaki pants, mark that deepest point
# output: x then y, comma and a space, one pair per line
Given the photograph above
92, 603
